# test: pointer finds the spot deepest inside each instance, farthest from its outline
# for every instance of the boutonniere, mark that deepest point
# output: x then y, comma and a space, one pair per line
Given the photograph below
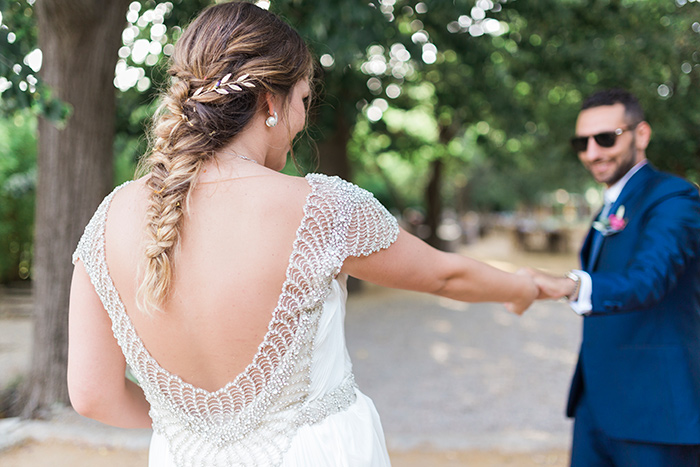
613, 224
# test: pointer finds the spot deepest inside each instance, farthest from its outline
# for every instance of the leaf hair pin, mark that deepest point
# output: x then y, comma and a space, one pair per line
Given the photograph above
221, 86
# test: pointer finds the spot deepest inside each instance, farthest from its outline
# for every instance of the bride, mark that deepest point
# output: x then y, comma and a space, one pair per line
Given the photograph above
220, 282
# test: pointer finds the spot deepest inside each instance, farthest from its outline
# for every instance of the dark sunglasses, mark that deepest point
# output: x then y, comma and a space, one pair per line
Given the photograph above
605, 139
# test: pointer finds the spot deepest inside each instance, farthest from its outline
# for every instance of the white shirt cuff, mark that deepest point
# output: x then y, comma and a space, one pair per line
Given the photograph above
582, 305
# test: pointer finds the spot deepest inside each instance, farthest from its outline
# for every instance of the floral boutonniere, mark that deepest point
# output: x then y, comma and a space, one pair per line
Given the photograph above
613, 224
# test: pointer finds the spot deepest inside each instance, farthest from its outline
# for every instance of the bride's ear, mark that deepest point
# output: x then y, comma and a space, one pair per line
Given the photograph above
270, 103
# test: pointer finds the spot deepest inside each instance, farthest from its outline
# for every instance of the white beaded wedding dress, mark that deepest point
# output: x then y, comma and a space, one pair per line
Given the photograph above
296, 404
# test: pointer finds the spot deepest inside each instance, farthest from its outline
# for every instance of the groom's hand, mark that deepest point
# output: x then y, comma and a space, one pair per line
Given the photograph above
551, 287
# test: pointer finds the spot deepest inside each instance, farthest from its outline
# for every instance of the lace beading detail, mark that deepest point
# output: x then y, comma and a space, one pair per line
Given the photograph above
251, 420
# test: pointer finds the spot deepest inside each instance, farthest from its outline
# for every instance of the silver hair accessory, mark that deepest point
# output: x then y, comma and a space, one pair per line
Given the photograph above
271, 120
224, 86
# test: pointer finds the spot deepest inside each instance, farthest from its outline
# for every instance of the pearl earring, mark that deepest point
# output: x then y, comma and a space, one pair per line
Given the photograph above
271, 120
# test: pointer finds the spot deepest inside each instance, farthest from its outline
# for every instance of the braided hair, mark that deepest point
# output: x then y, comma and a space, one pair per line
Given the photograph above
224, 63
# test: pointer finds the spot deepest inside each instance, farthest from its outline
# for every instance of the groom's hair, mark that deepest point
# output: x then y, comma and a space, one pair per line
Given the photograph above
633, 110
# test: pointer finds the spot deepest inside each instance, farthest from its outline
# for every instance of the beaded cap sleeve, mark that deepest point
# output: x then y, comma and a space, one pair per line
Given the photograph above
362, 225
252, 419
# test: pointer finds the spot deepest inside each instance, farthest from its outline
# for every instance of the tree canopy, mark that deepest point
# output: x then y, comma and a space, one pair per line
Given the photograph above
501, 79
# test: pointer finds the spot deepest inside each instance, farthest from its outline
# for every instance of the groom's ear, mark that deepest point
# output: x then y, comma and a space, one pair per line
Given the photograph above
642, 135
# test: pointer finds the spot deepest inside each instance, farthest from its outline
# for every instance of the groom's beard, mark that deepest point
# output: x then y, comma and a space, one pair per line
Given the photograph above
626, 161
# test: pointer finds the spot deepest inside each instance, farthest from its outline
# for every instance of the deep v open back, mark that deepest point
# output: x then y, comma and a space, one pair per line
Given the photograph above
296, 403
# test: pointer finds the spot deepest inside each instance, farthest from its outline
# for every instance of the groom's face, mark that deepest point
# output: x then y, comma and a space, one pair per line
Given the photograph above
606, 164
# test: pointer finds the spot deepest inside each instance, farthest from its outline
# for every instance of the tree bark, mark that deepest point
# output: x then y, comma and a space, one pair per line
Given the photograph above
333, 152
433, 192
79, 40
434, 203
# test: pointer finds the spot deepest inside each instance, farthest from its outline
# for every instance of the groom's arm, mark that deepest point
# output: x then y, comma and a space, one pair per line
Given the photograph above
669, 242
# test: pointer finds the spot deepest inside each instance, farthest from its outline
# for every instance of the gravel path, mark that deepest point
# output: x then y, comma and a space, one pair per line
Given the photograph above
446, 375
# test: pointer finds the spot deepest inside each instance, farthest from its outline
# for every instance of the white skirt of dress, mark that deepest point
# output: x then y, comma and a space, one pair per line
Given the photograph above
351, 438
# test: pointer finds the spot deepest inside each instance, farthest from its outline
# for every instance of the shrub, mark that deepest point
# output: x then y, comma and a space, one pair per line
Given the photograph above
18, 148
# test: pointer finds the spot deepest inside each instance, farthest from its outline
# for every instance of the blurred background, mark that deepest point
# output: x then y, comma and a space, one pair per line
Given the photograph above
455, 114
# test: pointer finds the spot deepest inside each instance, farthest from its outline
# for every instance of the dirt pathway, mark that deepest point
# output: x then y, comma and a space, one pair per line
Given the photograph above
71, 455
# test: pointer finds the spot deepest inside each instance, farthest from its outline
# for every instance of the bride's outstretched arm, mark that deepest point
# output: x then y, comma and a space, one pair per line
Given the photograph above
97, 384
409, 263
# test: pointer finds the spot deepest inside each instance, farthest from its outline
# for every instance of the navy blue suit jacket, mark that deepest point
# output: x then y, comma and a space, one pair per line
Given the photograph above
640, 356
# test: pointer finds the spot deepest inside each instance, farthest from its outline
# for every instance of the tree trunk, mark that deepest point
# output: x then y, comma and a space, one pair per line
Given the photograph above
79, 40
333, 153
433, 192
434, 203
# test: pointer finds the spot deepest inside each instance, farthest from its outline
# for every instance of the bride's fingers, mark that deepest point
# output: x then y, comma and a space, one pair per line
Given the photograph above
515, 308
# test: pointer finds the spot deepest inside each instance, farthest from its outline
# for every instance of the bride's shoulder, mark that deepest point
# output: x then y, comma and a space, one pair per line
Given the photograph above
333, 183
336, 187
131, 187
129, 197
287, 187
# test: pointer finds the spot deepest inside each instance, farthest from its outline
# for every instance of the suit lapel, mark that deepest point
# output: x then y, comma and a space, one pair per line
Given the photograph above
596, 242
595, 239
634, 185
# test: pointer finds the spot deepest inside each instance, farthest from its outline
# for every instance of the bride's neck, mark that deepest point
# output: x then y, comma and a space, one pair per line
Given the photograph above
239, 149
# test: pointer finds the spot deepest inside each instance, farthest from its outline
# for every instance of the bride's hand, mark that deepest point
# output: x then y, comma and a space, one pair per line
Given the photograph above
551, 287
528, 294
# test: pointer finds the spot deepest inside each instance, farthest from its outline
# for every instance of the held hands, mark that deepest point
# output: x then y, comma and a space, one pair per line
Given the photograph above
541, 286
528, 293
551, 287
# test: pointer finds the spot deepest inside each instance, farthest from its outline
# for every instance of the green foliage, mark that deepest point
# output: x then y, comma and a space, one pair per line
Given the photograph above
17, 193
650, 48
20, 86
391, 165
155, 25
507, 83
338, 34
17, 40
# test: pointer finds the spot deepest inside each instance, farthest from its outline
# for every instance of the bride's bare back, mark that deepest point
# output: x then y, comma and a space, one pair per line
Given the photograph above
229, 270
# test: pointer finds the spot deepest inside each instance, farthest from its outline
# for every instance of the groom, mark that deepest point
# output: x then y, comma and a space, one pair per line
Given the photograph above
635, 393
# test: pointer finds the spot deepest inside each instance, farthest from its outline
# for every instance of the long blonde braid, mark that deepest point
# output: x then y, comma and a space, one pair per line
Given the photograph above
229, 57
